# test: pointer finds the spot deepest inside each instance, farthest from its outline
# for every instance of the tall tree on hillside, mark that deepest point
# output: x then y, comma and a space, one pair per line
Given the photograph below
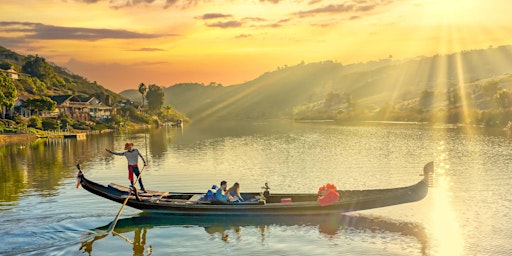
490, 88
453, 97
426, 99
38, 67
40, 104
8, 93
504, 99
142, 90
155, 98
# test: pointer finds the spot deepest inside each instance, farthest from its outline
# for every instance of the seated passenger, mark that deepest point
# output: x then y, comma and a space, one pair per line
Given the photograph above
221, 194
234, 193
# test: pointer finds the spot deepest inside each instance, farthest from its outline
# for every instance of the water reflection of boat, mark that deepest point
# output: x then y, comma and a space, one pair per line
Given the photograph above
273, 204
229, 228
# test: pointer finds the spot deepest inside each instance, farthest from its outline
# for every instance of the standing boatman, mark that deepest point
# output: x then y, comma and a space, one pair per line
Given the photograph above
132, 155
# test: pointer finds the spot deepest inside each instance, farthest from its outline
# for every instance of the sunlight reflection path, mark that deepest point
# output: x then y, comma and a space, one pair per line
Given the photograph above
446, 230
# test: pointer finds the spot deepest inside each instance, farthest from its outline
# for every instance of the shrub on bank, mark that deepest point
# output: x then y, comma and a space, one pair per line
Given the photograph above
49, 124
81, 126
35, 122
99, 127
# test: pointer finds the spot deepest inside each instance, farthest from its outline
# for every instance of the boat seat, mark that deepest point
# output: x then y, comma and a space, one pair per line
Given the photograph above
126, 189
118, 187
196, 198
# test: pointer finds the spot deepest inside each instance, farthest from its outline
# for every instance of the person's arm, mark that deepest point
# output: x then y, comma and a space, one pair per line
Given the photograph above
114, 153
141, 157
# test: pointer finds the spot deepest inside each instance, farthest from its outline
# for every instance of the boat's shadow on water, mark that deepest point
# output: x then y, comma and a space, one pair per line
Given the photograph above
330, 226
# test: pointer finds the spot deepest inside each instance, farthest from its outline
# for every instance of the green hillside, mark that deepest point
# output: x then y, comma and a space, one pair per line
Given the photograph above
301, 91
44, 78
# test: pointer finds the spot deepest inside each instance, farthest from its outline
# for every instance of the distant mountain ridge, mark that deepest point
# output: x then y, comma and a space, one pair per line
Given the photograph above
279, 93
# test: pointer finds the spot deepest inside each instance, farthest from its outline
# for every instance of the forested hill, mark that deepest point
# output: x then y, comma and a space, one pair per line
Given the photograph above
283, 92
45, 78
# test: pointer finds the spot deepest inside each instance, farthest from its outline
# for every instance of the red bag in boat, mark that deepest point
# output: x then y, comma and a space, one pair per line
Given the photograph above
329, 194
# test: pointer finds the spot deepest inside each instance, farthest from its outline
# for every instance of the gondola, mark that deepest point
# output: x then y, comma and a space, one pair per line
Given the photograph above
267, 204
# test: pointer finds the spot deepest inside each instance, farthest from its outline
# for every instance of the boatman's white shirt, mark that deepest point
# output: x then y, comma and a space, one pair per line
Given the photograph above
131, 156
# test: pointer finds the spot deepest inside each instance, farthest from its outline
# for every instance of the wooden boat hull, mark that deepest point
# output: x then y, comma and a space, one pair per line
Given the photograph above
302, 204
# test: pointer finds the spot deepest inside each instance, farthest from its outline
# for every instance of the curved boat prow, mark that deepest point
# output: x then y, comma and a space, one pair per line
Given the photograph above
428, 173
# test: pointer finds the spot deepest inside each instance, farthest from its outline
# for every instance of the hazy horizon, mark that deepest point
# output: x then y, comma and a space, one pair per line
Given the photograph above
122, 43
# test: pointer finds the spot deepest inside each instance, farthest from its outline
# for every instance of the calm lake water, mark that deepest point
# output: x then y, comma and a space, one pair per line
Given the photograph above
467, 212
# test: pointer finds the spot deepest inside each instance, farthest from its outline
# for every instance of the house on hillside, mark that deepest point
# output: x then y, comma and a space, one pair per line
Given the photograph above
19, 109
13, 74
96, 108
71, 106
76, 107
126, 102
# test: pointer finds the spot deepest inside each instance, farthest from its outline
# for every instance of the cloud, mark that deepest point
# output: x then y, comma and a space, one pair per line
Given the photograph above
312, 2
148, 50
332, 8
210, 16
247, 21
39, 31
117, 4
184, 4
89, 1
347, 7
256, 19
272, 1
227, 24
275, 24
243, 36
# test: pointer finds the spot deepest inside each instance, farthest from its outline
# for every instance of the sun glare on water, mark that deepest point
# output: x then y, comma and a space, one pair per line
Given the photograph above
446, 229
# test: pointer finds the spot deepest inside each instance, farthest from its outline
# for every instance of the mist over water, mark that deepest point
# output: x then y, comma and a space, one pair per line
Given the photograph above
467, 212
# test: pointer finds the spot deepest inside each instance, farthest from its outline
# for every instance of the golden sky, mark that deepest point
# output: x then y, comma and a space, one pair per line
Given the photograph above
121, 43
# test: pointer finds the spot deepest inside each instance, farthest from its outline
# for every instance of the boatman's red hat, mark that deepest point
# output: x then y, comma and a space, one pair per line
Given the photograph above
128, 144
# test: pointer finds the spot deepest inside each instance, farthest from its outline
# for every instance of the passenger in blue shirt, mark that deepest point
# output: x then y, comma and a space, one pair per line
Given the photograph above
221, 195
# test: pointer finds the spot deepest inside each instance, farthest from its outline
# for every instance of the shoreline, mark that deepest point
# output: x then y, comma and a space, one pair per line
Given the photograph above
6, 139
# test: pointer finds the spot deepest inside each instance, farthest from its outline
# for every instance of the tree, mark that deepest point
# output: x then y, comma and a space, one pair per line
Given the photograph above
332, 100
5, 65
155, 98
453, 98
426, 99
40, 104
142, 90
504, 99
490, 89
167, 113
35, 121
8, 93
38, 67
49, 124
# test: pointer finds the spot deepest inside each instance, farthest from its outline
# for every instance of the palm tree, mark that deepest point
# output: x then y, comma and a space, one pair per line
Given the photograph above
142, 90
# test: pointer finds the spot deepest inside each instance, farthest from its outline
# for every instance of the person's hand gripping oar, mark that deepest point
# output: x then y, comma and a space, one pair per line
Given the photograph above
132, 189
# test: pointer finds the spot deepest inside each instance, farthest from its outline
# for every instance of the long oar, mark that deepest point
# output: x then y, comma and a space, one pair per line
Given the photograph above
113, 225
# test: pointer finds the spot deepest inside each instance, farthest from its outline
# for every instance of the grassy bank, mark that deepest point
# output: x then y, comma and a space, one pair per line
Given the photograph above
14, 138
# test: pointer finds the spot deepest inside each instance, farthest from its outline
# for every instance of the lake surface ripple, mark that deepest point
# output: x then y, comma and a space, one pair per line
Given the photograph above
467, 212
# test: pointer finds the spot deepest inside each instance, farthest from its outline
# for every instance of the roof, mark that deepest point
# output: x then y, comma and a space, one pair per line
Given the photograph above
83, 98
60, 98
13, 71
